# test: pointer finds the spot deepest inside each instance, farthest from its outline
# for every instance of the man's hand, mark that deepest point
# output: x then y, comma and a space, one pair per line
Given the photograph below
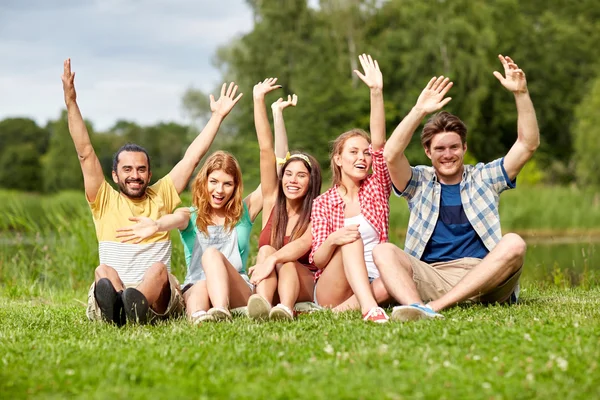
223, 106
264, 87
68, 81
372, 76
432, 98
345, 235
515, 77
144, 228
281, 104
261, 271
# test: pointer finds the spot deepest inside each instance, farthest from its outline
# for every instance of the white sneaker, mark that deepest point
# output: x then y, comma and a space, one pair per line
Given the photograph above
281, 313
200, 316
258, 307
220, 314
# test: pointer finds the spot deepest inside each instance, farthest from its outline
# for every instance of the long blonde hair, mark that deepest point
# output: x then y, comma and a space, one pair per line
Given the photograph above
218, 161
337, 147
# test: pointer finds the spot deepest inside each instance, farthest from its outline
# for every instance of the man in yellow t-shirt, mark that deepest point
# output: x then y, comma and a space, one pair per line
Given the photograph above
132, 281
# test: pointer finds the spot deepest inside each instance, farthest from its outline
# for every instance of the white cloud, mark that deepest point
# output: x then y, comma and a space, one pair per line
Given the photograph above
133, 58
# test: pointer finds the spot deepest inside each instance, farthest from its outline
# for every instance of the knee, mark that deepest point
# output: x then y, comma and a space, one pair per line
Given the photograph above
102, 271
158, 271
265, 251
209, 257
515, 246
388, 255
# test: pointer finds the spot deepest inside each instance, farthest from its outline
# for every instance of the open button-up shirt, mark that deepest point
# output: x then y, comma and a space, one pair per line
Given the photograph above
327, 214
480, 190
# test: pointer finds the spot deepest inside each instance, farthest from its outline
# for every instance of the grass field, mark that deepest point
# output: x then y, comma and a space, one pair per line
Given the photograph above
547, 347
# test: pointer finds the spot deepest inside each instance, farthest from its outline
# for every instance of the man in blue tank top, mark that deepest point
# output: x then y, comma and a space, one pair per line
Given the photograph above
454, 248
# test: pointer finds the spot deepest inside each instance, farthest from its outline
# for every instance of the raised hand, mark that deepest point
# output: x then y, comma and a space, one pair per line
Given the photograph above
227, 100
68, 81
264, 87
281, 104
144, 228
347, 234
261, 271
372, 76
432, 98
515, 77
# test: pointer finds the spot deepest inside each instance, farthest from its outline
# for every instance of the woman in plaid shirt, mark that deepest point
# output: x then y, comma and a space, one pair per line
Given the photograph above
352, 217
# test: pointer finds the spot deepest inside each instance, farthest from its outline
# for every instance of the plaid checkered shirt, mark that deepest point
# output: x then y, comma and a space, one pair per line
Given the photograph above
480, 190
327, 214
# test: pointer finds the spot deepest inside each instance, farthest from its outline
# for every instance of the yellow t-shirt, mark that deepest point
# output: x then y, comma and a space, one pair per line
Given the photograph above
111, 210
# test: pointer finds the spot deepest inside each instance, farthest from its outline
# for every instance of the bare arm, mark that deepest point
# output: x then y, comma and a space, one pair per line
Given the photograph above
528, 133
281, 141
181, 173
430, 100
146, 227
268, 164
90, 165
374, 79
290, 252
342, 236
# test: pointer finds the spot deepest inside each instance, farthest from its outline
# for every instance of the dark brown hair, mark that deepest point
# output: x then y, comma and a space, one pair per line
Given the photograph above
280, 213
443, 122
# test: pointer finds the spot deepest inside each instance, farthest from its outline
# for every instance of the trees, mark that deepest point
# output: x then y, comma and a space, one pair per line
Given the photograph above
586, 131
22, 142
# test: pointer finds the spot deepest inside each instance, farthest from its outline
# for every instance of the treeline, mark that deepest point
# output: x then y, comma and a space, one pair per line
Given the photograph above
43, 159
313, 52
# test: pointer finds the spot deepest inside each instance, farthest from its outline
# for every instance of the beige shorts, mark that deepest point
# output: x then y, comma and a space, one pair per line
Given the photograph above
435, 280
176, 305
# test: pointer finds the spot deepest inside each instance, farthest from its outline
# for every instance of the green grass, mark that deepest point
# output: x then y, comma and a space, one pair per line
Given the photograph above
545, 347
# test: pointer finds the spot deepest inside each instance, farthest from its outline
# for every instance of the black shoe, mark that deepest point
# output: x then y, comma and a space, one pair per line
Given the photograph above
110, 302
136, 306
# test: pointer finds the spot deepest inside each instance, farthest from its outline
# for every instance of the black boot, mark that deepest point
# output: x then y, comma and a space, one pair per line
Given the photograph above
136, 306
110, 302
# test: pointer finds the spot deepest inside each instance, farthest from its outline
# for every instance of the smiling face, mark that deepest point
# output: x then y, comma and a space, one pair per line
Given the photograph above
355, 158
133, 174
220, 188
446, 152
295, 180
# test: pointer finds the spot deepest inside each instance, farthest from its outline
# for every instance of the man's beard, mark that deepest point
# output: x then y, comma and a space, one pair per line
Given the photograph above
133, 194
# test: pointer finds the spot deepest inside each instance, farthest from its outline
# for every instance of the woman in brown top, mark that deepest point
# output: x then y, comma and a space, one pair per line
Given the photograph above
285, 240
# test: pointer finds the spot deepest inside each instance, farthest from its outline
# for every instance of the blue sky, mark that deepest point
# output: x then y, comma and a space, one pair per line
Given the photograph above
133, 58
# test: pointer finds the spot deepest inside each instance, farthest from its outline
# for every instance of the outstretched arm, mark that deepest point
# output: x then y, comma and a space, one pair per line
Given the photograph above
281, 142
374, 79
268, 165
430, 100
528, 133
181, 173
90, 165
146, 227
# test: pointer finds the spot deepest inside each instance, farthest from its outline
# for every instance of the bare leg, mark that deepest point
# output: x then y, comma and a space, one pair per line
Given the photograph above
381, 295
104, 271
155, 287
355, 280
502, 262
295, 283
196, 298
356, 273
333, 287
266, 288
396, 273
226, 287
